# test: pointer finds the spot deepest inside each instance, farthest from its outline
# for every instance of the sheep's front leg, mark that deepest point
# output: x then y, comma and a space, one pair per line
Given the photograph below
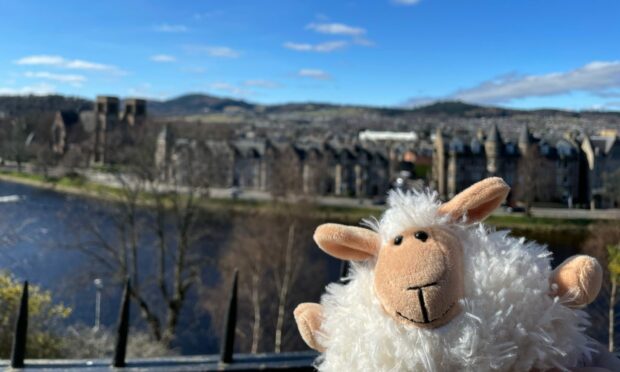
578, 279
308, 317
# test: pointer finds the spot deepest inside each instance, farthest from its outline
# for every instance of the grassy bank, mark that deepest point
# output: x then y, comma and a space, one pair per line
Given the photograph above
70, 185
78, 185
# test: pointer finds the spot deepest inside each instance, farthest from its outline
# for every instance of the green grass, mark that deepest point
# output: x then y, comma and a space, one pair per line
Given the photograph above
351, 215
25, 176
75, 184
538, 221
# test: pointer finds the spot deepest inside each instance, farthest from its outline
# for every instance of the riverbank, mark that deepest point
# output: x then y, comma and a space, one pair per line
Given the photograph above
80, 186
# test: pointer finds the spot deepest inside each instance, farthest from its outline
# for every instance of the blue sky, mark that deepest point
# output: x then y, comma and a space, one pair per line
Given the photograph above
524, 54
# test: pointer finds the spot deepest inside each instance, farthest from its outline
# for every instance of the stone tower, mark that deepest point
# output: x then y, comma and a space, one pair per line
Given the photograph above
106, 119
135, 112
493, 147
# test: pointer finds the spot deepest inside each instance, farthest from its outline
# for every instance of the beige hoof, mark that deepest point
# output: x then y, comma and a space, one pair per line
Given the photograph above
308, 317
577, 280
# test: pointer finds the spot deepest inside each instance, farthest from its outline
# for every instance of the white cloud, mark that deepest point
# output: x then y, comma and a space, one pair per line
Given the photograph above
41, 60
594, 77
597, 78
326, 47
314, 74
78, 64
58, 61
336, 29
259, 83
40, 89
406, 2
75, 80
214, 51
171, 28
230, 89
163, 58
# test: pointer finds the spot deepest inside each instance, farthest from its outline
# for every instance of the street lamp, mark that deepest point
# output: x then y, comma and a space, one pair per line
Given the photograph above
98, 287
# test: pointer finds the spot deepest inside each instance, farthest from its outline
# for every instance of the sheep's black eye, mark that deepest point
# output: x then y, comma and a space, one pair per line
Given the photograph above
398, 239
421, 235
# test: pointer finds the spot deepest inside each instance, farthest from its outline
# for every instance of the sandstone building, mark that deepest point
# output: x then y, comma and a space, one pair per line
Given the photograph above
571, 169
305, 166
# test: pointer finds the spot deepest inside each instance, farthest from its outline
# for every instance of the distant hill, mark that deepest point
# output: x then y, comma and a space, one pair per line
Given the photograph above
462, 109
23, 105
196, 104
200, 104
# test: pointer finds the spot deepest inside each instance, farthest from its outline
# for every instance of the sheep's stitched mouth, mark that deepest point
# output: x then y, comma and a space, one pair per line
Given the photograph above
413, 288
424, 314
421, 299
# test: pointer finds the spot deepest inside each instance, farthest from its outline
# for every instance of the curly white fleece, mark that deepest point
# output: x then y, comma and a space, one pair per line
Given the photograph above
507, 323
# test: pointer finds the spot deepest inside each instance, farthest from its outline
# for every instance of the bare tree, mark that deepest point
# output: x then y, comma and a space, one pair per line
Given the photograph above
15, 143
533, 179
283, 279
154, 238
613, 265
285, 172
276, 271
44, 158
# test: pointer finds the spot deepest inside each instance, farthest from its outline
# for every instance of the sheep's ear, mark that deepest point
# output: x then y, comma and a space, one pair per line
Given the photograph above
347, 242
477, 201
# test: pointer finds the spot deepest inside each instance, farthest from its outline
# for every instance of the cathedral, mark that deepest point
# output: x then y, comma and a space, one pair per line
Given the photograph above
94, 132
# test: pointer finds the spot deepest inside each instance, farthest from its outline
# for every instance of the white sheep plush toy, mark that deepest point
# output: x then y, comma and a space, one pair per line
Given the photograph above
432, 289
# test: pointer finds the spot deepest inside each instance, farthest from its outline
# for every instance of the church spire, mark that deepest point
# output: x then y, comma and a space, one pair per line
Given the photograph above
525, 140
494, 135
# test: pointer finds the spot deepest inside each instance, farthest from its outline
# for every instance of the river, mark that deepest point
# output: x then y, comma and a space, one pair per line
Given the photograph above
35, 233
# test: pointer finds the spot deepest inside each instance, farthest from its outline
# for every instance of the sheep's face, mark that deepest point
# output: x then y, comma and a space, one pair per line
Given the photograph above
419, 273
419, 277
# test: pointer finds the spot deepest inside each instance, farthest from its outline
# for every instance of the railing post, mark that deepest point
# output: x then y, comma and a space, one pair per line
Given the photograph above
123, 330
18, 353
230, 324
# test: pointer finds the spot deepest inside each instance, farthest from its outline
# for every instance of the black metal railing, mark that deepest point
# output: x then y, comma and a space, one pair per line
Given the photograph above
227, 360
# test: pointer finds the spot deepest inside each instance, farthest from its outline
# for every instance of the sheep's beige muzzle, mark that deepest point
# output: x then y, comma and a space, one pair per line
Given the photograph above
418, 281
